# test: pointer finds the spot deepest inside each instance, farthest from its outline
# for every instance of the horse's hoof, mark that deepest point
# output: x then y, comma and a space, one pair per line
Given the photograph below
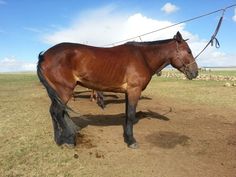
68, 146
134, 145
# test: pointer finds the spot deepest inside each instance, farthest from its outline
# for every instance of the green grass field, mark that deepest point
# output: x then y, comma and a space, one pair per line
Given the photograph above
209, 93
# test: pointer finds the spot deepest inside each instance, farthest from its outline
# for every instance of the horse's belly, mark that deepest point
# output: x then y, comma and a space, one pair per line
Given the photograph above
101, 85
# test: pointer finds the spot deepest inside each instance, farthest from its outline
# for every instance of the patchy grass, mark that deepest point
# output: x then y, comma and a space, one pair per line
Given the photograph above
26, 132
20, 78
220, 72
212, 72
27, 147
209, 93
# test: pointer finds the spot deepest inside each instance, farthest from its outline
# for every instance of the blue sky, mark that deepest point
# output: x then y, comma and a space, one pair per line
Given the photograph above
28, 27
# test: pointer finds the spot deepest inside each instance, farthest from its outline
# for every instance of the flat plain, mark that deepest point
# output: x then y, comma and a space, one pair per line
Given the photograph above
185, 128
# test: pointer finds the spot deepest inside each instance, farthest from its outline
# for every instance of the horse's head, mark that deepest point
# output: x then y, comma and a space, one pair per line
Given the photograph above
183, 59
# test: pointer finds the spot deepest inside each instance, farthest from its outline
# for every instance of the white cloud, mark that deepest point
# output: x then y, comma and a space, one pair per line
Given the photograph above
95, 27
138, 24
112, 28
10, 64
234, 17
90, 29
169, 8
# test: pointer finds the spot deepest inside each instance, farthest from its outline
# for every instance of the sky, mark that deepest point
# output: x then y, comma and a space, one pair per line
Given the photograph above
28, 27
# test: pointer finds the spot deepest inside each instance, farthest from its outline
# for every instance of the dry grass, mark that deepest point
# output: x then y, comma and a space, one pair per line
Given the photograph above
25, 131
27, 147
208, 93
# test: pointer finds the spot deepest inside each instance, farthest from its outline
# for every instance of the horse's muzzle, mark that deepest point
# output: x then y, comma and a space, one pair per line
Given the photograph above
191, 74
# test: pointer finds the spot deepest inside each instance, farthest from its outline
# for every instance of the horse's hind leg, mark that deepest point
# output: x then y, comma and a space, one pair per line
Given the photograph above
64, 128
100, 99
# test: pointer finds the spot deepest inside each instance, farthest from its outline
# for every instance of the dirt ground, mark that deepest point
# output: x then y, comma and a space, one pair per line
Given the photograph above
176, 139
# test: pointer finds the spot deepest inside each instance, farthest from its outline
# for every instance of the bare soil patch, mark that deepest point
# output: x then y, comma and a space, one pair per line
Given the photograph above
175, 139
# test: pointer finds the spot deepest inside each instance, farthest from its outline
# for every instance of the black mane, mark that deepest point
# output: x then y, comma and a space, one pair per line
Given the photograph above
149, 42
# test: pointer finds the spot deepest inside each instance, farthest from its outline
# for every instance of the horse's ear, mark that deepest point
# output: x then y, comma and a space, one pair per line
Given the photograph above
178, 37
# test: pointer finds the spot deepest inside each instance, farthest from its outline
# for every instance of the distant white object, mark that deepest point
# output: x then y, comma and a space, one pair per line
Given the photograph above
227, 84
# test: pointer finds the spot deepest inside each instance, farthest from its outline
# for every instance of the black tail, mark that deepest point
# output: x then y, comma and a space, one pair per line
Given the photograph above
51, 92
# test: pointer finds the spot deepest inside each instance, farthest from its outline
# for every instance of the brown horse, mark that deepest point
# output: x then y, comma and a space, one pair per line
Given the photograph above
126, 68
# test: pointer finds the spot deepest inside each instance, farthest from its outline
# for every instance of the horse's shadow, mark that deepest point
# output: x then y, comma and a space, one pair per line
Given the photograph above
86, 94
114, 98
122, 100
81, 94
113, 119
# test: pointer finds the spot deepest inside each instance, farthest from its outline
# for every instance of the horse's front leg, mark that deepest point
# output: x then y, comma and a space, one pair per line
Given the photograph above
131, 97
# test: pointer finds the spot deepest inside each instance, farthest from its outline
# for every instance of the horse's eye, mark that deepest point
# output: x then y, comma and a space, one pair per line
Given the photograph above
189, 52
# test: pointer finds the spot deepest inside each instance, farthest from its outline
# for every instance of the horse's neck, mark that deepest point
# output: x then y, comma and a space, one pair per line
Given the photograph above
157, 57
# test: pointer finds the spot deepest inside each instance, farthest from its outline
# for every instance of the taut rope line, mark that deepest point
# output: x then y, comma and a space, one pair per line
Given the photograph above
212, 40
